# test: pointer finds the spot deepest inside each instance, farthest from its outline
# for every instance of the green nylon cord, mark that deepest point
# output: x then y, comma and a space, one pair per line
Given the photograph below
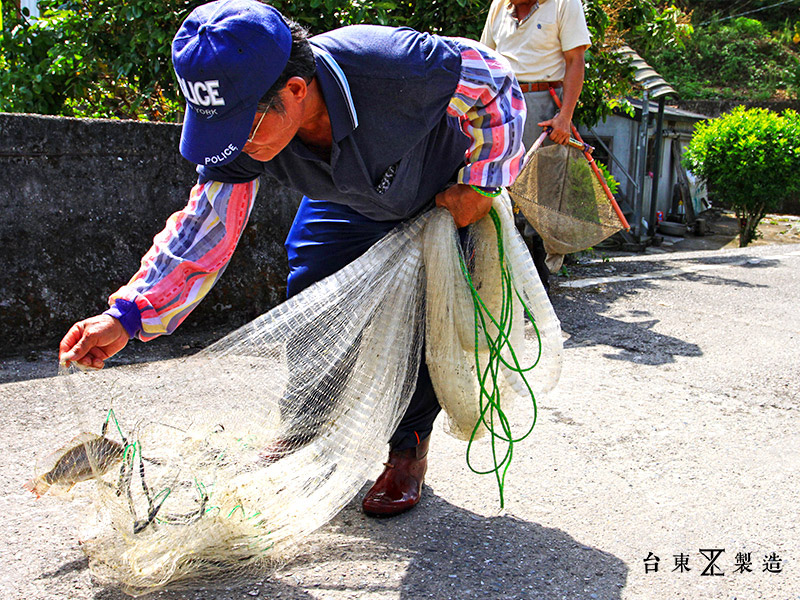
111, 416
492, 415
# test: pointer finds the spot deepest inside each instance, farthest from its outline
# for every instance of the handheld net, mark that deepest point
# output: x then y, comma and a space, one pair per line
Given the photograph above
212, 468
563, 199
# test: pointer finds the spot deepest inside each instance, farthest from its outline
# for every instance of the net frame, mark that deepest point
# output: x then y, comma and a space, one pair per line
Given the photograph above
562, 197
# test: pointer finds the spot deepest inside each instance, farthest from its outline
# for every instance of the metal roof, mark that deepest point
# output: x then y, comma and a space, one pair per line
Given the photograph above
646, 76
669, 111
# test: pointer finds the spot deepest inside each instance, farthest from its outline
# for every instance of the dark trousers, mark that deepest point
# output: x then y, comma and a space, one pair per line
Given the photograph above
535, 246
326, 237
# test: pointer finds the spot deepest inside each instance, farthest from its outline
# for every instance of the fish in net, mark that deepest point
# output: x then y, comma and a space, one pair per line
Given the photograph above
212, 468
562, 197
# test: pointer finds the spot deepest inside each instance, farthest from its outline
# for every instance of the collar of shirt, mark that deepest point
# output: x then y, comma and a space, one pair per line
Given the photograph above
336, 92
513, 10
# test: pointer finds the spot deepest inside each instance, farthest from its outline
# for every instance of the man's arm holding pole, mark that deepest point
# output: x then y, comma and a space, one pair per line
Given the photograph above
573, 84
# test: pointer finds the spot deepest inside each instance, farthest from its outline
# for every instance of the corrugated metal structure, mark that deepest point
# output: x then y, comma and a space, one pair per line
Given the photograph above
653, 87
645, 76
641, 143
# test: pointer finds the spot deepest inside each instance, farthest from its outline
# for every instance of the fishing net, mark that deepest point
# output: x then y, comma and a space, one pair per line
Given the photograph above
562, 198
479, 286
211, 469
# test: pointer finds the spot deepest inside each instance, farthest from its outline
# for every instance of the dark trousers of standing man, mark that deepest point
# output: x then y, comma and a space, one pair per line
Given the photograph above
326, 237
540, 107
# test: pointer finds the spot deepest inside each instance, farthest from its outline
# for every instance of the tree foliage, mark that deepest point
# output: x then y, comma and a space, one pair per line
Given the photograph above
92, 58
111, 58
750, 159
770, 12
612, 24
735, 58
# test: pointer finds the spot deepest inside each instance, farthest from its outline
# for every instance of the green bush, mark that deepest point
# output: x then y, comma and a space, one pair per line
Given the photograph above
611, 182
750, 159
749, 28
111, 58
91, 58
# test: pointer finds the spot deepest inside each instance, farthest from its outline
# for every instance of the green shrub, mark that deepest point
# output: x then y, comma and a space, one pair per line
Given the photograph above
92, 58
750, 159
749, 28
611, 182
111, 58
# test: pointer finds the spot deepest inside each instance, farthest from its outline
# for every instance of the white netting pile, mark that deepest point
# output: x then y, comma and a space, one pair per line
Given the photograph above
458, 352
212, 467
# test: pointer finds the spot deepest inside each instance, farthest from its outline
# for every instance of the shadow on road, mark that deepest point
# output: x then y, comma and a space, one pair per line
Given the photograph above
583, 311
42, 362
438, 550
79, 564
582, 318
451, 553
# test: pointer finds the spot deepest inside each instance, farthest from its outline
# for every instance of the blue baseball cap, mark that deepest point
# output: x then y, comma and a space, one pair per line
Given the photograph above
226, 55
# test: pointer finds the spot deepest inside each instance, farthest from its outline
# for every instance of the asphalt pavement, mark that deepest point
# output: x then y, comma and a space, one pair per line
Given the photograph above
663, 466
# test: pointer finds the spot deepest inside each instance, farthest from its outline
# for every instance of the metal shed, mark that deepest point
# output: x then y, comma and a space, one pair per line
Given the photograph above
643, 152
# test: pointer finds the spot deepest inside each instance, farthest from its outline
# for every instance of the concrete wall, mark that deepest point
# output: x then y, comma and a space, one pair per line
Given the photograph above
81, 201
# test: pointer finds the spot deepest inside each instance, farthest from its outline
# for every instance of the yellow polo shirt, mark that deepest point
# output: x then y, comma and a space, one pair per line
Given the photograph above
536, 48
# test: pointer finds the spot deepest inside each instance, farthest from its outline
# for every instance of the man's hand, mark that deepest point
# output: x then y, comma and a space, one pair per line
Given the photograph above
465, 204
562, 128
91, 341
573, 83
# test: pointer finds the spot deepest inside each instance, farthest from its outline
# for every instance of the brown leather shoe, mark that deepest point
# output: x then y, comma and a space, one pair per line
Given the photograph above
399, 487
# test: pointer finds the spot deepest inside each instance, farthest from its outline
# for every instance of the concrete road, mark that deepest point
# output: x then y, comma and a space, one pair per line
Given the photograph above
674, 433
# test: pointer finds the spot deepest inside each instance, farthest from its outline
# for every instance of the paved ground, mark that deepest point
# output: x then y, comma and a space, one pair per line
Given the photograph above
675, 430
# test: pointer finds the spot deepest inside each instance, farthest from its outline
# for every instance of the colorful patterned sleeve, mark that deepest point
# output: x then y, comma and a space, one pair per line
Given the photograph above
491, 111
186, 259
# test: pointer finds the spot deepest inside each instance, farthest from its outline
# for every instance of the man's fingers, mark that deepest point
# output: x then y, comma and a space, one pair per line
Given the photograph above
95, 358
559, 132
92, 341
72, 345
71, 338
465, 205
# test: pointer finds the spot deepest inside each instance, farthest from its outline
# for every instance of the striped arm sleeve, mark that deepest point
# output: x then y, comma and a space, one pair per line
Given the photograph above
491, 111
186, 259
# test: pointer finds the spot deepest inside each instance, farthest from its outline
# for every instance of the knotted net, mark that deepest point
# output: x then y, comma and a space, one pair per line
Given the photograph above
562, 198
212, 468
479, 287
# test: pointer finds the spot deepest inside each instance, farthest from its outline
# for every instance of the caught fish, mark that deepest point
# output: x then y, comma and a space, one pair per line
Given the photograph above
86, 456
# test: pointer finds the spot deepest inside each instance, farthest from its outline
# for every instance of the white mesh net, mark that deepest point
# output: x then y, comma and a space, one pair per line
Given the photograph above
213, 467
458, 348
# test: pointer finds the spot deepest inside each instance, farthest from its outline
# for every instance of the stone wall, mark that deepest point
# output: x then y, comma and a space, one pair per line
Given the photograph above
81, 201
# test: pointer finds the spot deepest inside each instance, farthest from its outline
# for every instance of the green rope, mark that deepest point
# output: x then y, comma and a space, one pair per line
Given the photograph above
111, 416
492, 415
